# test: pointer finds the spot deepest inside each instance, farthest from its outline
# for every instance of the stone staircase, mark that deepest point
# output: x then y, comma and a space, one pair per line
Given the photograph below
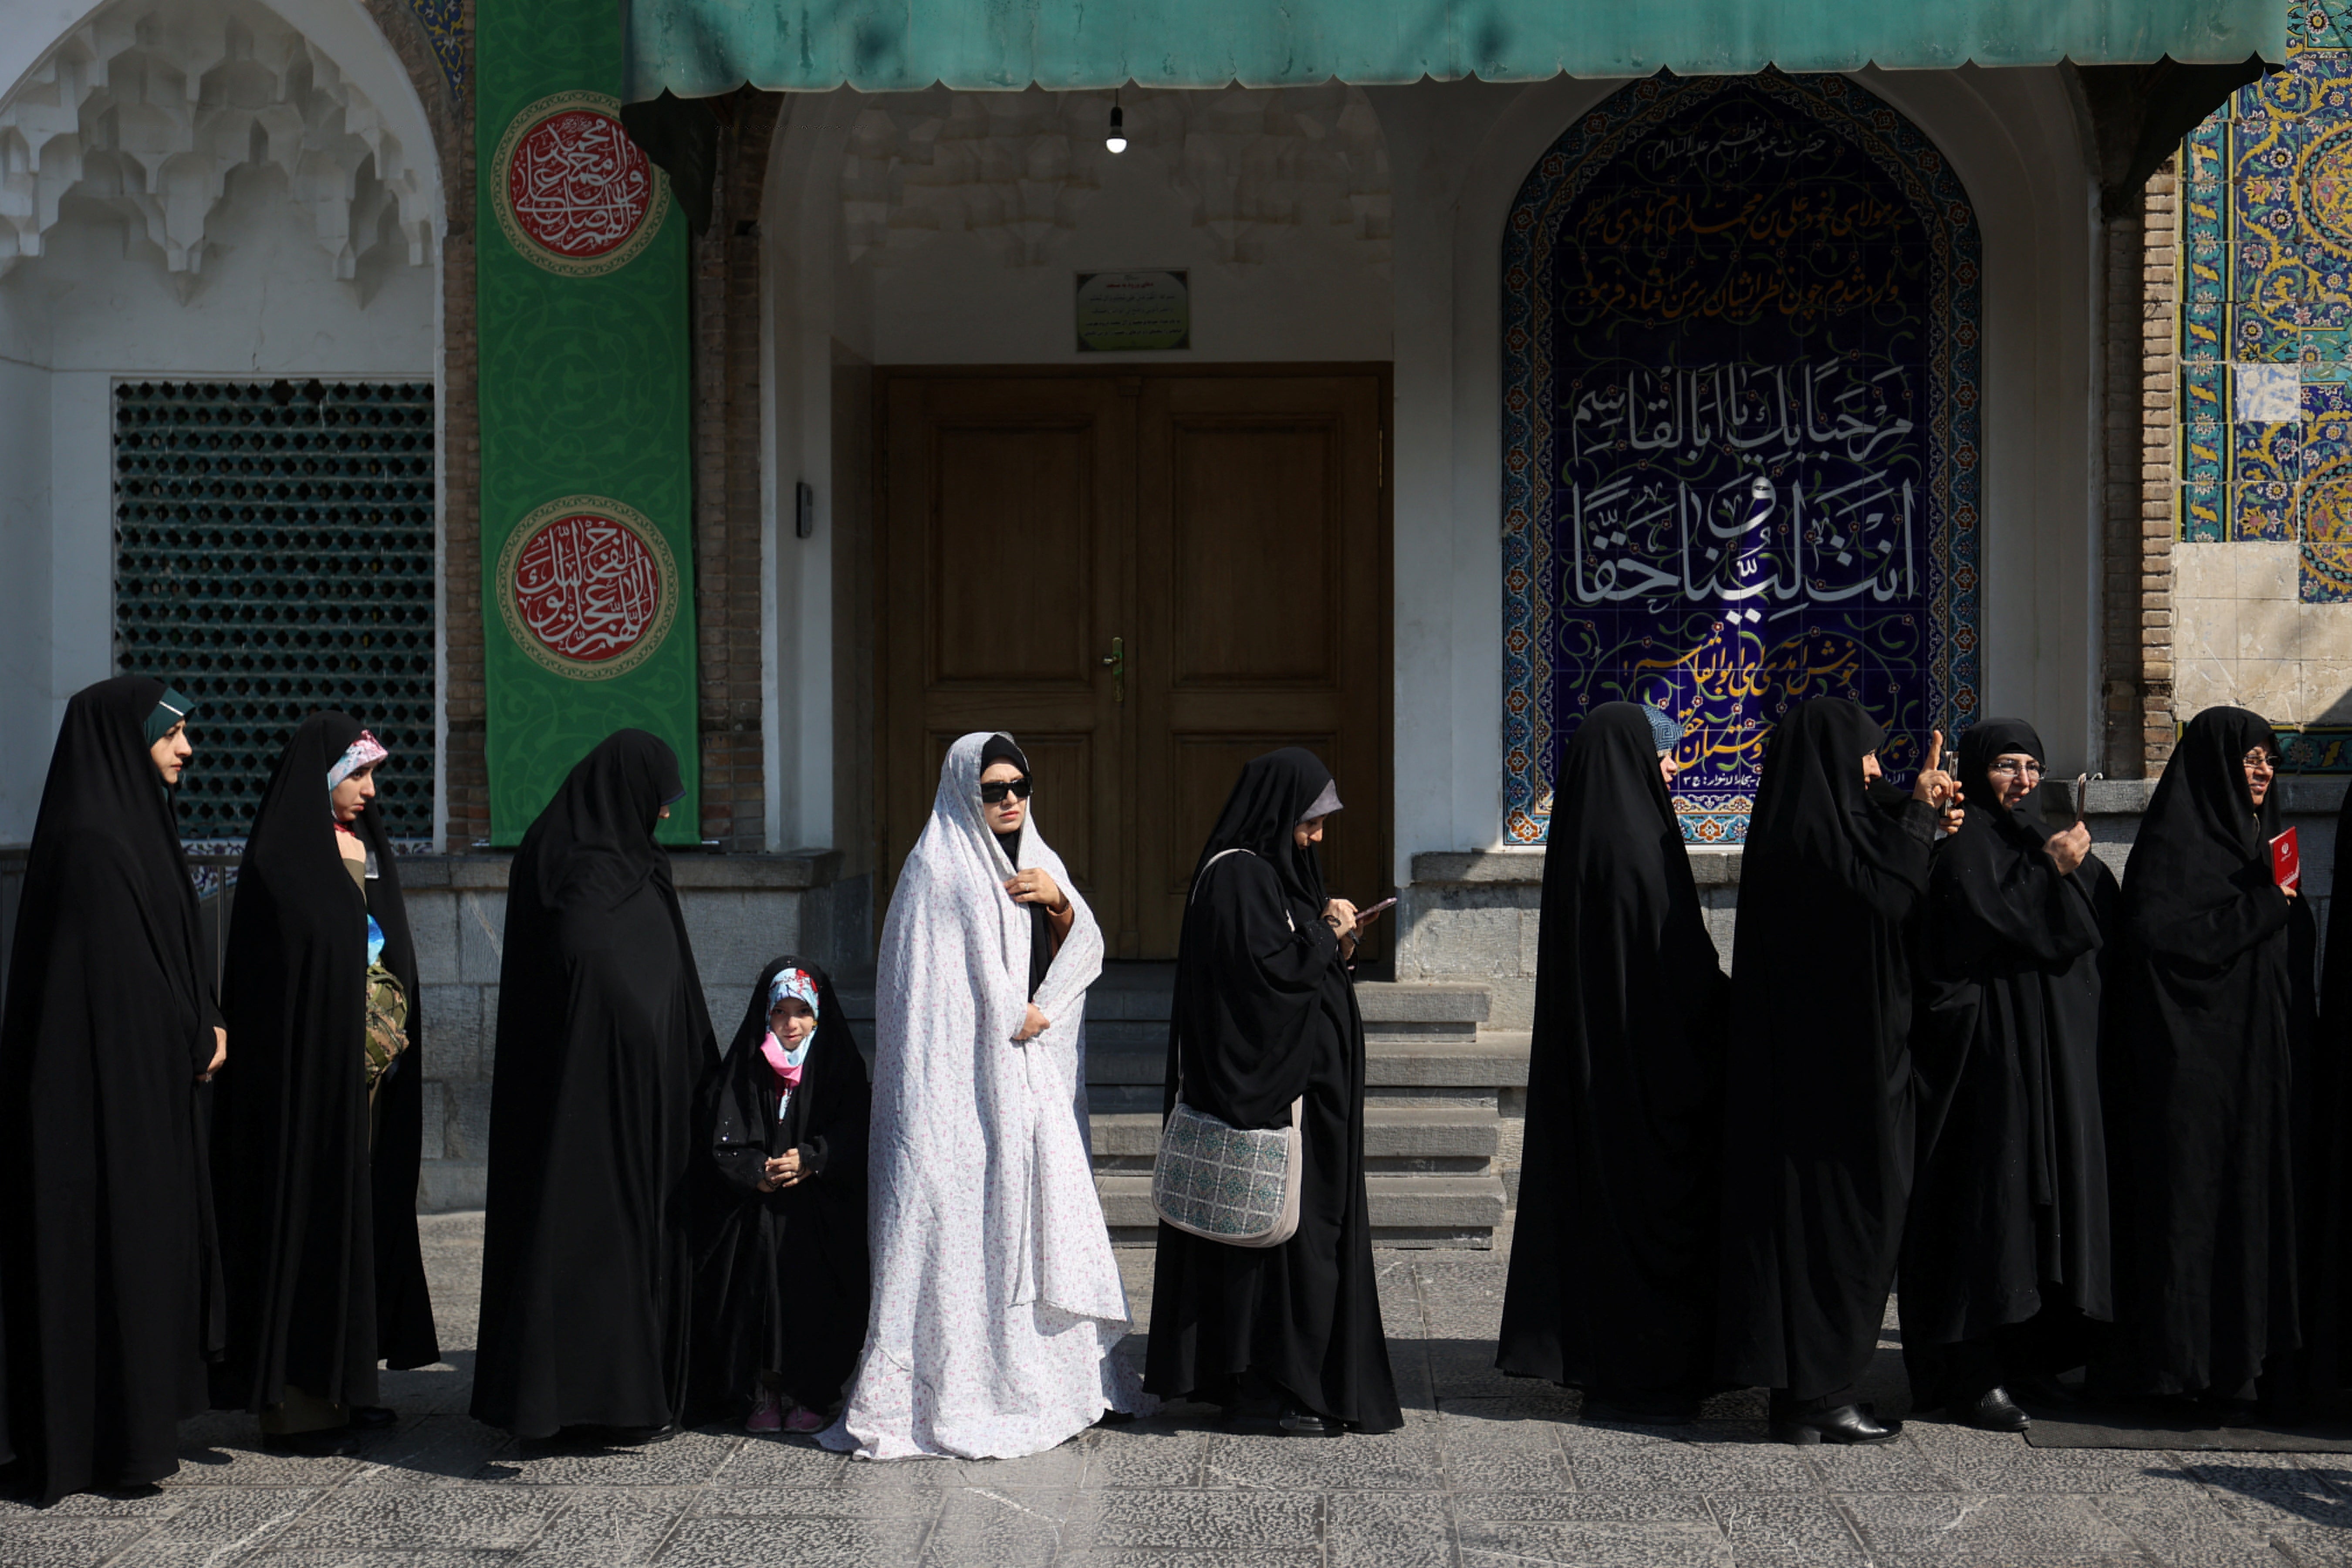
1442, 1105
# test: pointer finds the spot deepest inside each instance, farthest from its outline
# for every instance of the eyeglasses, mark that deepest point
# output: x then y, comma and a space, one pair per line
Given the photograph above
994, 793
2025, 767
2267, 762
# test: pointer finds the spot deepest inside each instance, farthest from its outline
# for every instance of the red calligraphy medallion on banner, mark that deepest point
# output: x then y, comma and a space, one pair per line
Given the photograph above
573, 192
587, 587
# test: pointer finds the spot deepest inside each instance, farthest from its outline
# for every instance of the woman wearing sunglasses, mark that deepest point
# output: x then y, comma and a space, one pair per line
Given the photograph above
996, 1298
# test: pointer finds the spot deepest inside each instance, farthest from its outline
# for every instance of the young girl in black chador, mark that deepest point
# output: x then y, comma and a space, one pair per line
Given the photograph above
781, 1269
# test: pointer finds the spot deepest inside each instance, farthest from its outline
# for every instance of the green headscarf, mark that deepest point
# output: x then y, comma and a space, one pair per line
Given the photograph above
170, 708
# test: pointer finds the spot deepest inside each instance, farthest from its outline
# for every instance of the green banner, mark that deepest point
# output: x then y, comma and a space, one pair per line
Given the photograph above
587, 484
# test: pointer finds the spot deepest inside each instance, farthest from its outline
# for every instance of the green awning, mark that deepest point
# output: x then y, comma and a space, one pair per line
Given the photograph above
696, 47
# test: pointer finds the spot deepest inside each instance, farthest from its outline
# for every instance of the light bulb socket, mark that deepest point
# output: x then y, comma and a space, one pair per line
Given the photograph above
1117, 140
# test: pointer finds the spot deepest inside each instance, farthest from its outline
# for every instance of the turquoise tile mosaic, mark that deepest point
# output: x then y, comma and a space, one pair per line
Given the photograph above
2264, 441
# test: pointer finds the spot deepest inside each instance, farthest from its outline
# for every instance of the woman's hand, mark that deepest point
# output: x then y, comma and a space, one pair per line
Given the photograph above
783, 1170
2069, 848
220, 1055
1033, 1024
1037, 887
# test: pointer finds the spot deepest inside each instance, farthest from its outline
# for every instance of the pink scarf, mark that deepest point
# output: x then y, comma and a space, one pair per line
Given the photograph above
787, 1071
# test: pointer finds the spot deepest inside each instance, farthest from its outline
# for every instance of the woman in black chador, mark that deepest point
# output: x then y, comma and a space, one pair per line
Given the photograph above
2198, 1073
602, 1034
110, 1293
318, 1127
2005, 1260
781, 1282
1612, 1264
1264, 1012
1817, 1160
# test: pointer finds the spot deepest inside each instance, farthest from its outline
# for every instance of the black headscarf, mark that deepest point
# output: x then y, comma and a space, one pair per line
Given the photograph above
1000, 749
1271, 798
1612, 1268
2211, 843
596, 846
1813, 804
109, 1019
2208, 1016
781, 1278
300, 1197
2008, 1213
1817, 1164
602, 1034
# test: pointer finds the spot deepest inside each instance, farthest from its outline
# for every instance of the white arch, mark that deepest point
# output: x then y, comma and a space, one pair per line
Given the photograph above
167, 156
72, 323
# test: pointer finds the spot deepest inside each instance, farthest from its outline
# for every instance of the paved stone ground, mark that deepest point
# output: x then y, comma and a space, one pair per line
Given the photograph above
1488, 1472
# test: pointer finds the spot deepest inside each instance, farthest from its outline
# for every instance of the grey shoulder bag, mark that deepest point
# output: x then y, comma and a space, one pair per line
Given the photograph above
1215, 1181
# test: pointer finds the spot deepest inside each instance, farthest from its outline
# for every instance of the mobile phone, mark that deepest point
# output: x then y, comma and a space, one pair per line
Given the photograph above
1363, 915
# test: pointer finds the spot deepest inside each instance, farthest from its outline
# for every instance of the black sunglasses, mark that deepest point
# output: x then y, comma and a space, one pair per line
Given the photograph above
994, 793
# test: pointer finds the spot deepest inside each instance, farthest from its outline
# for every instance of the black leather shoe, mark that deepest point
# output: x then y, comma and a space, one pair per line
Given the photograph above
1847, 1424
373, 1418
1301, 1423
1991, 1411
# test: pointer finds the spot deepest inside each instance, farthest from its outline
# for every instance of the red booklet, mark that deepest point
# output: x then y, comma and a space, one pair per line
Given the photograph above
2286, 860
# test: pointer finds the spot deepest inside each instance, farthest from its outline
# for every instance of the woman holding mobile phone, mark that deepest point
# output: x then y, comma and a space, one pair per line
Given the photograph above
1286, 1338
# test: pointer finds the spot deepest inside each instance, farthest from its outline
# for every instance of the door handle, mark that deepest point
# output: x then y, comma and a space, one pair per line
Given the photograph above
1116, 664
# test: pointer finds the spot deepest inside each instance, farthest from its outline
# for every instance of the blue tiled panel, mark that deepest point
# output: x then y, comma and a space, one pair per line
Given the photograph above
2265, 277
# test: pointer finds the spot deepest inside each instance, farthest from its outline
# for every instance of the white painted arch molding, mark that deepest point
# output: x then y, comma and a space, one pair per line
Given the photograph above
147, 106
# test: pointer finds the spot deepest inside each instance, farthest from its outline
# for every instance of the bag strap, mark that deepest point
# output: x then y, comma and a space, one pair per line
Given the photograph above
1198, 878
1236, 849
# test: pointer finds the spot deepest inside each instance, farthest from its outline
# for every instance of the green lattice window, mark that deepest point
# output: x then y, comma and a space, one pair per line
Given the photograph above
273, 554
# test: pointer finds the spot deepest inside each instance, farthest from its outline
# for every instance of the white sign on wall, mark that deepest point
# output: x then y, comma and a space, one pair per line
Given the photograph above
1125, 311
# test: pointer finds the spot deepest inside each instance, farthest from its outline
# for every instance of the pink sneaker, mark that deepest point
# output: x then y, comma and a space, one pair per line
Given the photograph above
802, 1419
767, 1415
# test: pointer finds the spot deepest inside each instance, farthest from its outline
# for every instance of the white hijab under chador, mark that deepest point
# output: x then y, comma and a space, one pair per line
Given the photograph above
996, 1298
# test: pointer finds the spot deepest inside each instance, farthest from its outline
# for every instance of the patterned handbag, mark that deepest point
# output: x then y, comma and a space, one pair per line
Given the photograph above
1220, 1182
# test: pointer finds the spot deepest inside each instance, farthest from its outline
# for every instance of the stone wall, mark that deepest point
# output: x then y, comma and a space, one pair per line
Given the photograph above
741, 911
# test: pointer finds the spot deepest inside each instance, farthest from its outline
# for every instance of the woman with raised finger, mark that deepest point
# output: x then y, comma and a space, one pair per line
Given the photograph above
1817, 1158
2005, 1258
997, 1303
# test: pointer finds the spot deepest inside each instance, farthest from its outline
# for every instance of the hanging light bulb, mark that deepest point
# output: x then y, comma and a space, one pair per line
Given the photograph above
1117, 140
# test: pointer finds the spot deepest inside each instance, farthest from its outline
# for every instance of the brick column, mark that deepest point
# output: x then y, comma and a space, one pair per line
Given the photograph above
2137, 501
728, 503
2158, 494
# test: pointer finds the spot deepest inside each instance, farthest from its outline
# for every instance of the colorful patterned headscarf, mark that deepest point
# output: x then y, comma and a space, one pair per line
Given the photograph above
365, 751
796, 985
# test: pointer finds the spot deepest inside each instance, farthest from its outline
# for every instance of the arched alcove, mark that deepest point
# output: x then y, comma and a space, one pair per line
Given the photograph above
1741, 364
224, 211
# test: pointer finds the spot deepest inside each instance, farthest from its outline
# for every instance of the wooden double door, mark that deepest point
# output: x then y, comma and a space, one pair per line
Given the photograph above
1146, 578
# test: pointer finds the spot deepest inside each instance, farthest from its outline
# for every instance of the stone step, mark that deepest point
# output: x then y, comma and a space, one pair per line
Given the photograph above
1390, 1132
1466, 1203
1497, 1057
1388, 1007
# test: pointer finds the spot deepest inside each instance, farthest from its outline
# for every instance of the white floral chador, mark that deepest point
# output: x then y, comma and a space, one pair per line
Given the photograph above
996, 1298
